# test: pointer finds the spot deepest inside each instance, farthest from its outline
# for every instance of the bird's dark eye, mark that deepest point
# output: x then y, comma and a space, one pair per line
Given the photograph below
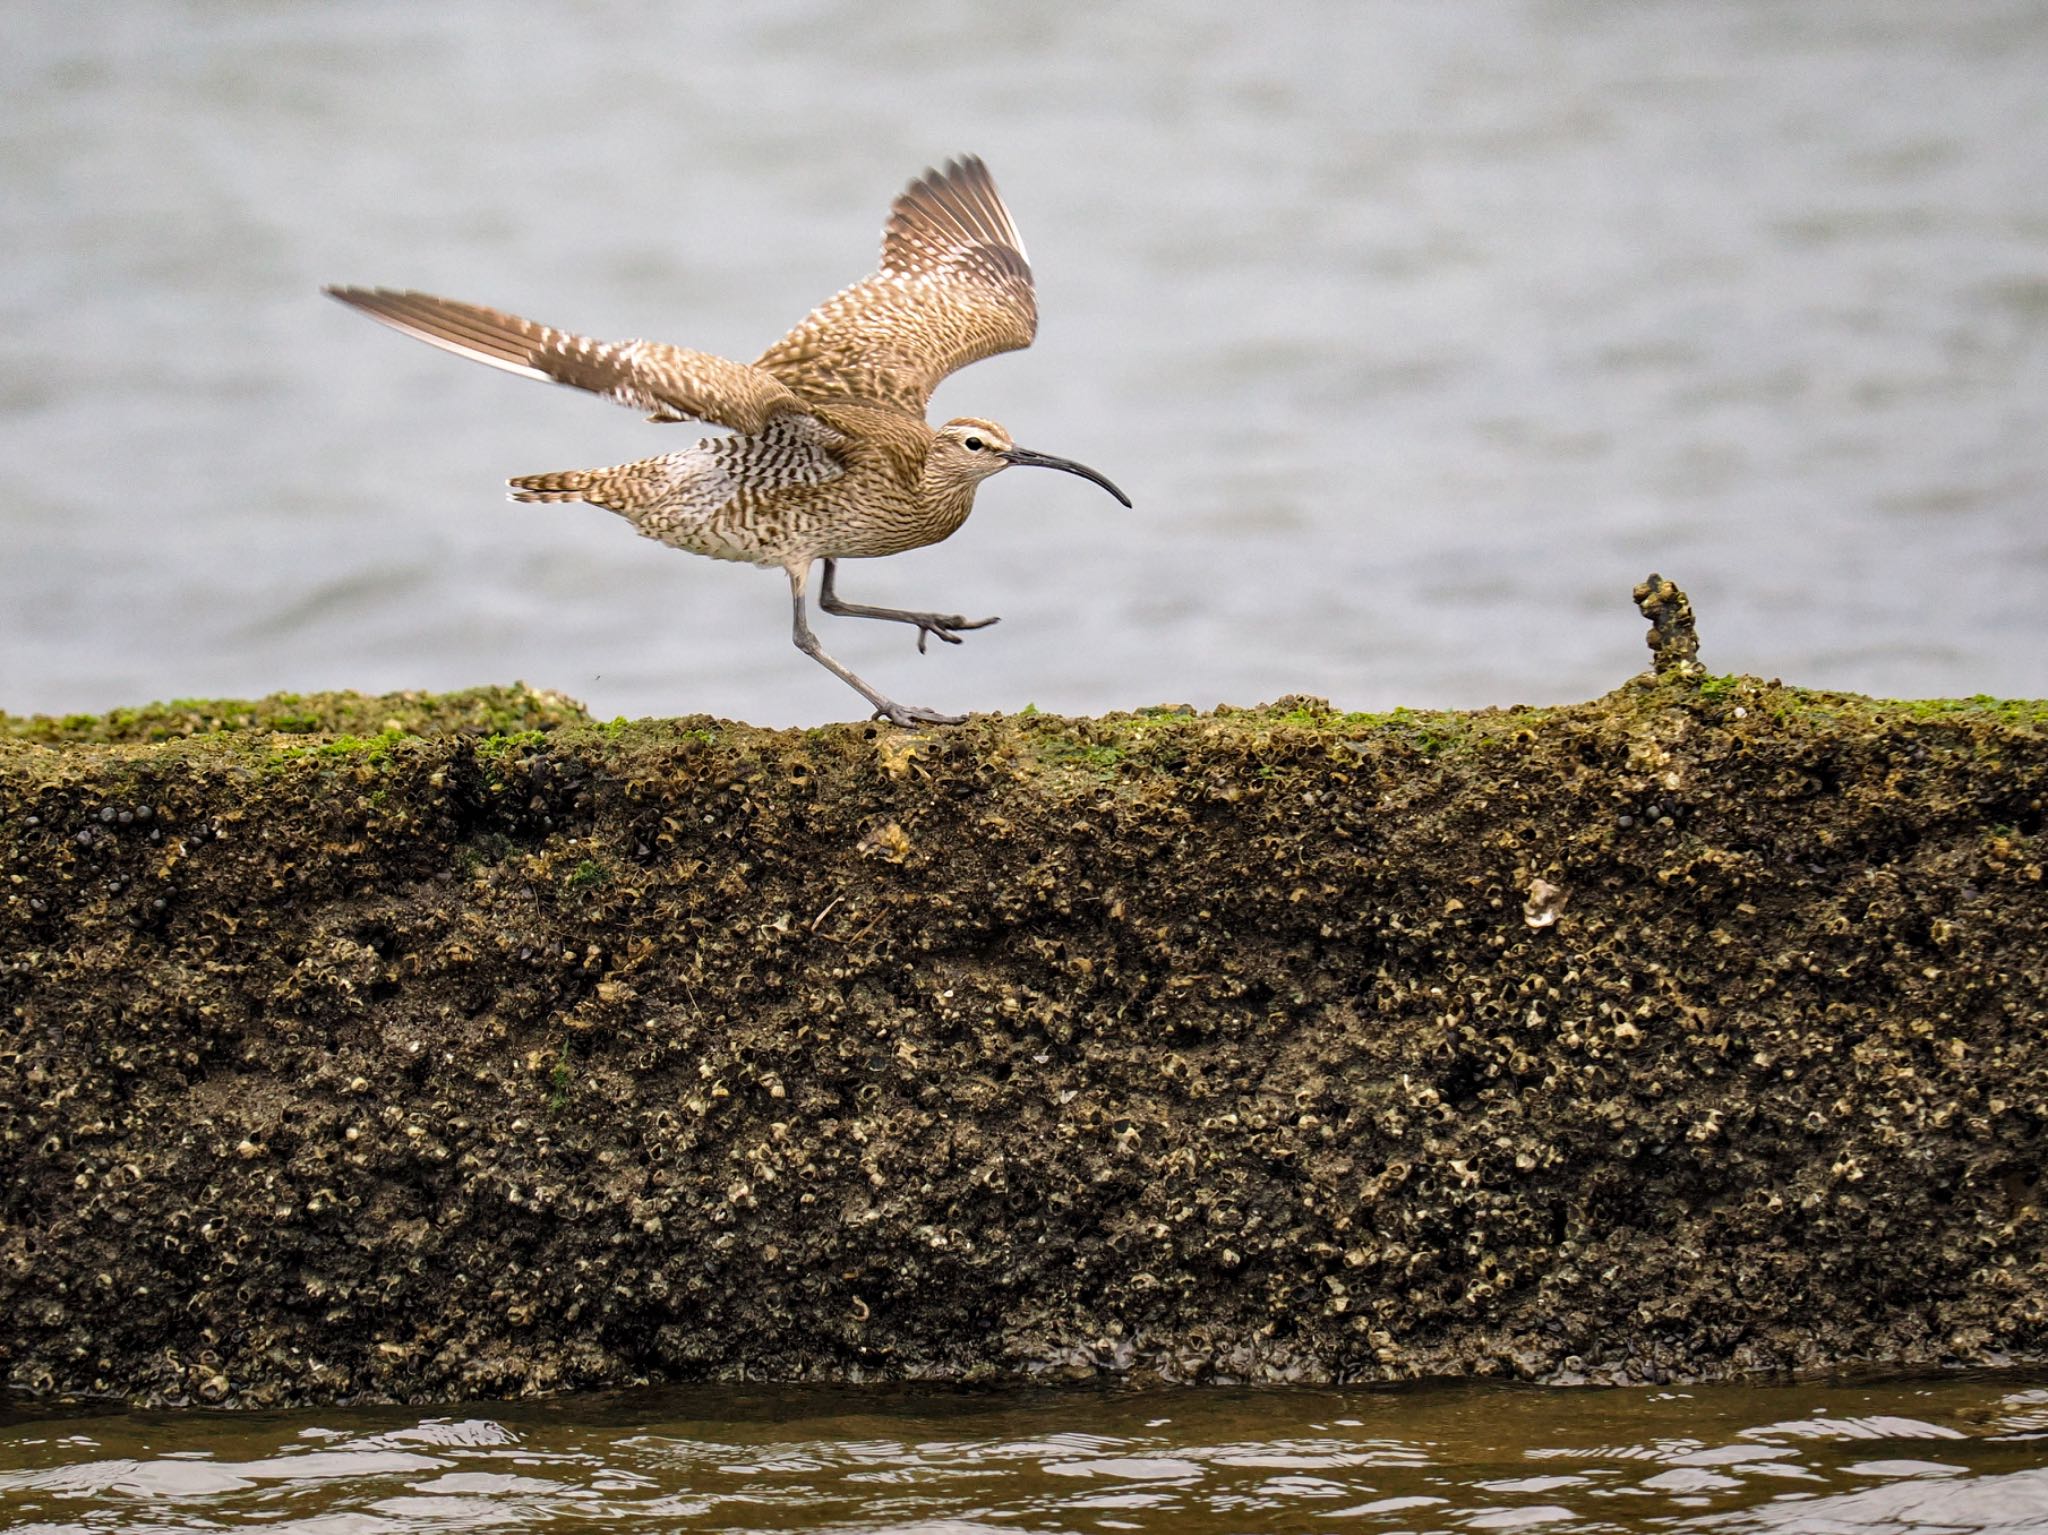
974, 445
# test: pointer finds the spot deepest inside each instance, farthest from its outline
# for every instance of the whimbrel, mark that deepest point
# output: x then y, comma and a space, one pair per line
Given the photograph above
831, 458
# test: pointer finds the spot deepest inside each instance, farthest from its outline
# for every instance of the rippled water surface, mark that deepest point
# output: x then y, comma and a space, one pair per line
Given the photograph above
1955, 1455
1418, 332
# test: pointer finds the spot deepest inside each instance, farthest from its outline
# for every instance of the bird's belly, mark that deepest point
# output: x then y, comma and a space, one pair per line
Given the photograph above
856, 517
881, 529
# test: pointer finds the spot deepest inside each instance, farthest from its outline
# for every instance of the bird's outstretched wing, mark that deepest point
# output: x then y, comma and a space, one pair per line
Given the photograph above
954, 287
670, 383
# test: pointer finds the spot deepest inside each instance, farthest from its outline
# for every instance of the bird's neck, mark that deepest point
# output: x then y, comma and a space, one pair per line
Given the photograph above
945, 498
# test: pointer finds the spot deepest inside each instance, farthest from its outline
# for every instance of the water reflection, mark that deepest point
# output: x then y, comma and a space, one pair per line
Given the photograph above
1958, 1454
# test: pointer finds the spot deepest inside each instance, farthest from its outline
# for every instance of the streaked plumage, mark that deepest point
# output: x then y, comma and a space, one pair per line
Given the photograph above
954, 287
832, 458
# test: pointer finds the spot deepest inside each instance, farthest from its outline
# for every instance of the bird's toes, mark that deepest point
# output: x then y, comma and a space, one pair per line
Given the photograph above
909, 716
948, 627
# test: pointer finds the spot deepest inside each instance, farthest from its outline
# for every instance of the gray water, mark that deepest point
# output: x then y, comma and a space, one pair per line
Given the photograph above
1928, 1458
1418, 332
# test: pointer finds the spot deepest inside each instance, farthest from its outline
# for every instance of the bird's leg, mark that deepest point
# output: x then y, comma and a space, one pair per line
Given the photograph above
941, 624
807, 642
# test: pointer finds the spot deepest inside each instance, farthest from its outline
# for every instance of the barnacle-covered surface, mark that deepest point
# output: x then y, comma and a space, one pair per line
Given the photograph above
424, 1051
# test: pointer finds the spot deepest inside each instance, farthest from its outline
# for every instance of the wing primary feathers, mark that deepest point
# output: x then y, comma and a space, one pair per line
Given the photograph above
468, 330
945, 212
673, 383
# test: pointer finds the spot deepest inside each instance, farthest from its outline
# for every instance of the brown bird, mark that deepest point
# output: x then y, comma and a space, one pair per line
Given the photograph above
831, 458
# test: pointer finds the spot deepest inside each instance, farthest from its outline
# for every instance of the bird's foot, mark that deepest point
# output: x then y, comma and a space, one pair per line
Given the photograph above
944, 625
909, 716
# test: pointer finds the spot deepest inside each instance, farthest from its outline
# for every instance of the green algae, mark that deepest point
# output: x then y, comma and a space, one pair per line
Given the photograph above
589, 874
339, 715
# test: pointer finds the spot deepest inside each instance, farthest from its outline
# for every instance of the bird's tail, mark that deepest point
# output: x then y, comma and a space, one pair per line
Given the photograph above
657, 495
568, 485
631, 490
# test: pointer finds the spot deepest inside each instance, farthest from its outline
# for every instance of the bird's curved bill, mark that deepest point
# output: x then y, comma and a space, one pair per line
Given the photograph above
1026, 457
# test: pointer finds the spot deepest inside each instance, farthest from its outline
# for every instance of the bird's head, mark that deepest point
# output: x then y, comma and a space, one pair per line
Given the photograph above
966, 451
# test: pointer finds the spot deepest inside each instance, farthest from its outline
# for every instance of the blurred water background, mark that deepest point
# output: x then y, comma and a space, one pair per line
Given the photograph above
1418, 333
